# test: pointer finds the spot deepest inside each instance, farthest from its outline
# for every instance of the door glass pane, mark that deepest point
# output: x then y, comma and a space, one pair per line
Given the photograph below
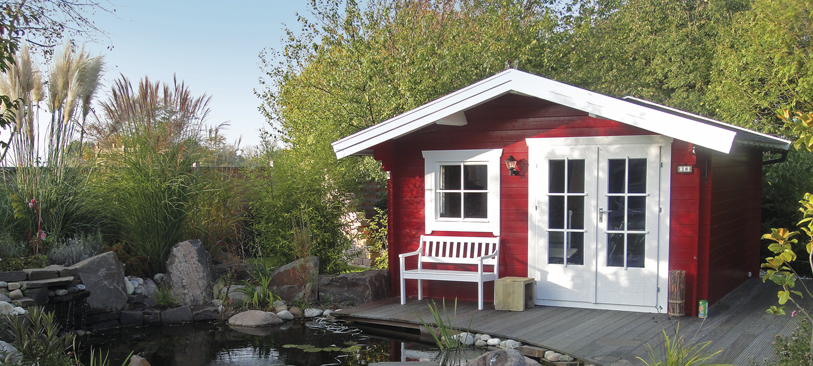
556, 212
556, 182
615, 250
475, 205
449, 204
575, 252
636, 250
616, 175
637, 176
475, 177
575, 176
450, 177
636, 215
575, 212
556, 245
615, 214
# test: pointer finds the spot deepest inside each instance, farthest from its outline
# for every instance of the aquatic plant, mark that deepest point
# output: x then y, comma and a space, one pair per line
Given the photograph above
444, 334
164, 297
676, 352
37, 339
259, 297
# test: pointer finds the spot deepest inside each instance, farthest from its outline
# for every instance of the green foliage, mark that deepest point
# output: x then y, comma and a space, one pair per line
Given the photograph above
164, 298
218, 217
11, 247
377, 235
442, 331
794, 350
134, 265
76, 249
19, 263
259, 297
36, 337
676, 352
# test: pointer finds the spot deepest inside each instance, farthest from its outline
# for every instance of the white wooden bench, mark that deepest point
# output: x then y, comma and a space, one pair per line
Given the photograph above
453, 250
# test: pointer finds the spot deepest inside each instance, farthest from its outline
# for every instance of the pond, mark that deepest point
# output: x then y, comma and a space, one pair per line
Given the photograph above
216, 344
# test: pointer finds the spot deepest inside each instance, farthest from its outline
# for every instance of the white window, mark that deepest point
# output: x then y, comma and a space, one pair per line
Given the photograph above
462, 190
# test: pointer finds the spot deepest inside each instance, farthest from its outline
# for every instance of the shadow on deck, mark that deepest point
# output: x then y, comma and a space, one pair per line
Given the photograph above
737, 325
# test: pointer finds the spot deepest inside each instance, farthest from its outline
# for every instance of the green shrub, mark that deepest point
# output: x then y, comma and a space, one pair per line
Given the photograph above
164, 298
676, 352
16, 264
76, 249
794, 349
259, 297
11, 247
377, 235
37, 339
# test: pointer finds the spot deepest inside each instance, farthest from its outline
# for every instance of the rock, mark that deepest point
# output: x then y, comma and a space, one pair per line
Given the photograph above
72, 289
204, 313
255, 318
39, 295
480, 343
4, 298
566, 358
190, 273
494, 341
129, 287
51, 282
485, 337
531, 362
61, 292
102, 275
327, 313
138, 280
152, 316
552, 356
62, 271
150, 288
131, 318
464, 338
136, 360
6, 308
298, 280
177, 315
14, 286
24, 302
279, 305
235, 292
296, 311
285, 315
532, 351
312, 312
138, 290
41, 273
13, 276
3, 284
15, 295
9, 354
81, 287
158, 278
510, 344
503, 357
355, 288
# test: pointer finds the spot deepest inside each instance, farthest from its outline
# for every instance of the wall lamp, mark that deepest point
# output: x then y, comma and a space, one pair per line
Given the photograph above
511, 164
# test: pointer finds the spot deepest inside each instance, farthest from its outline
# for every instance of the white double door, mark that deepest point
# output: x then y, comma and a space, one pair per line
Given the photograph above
594, 222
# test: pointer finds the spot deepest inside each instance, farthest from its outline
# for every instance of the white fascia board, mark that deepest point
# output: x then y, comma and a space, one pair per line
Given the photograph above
663, 123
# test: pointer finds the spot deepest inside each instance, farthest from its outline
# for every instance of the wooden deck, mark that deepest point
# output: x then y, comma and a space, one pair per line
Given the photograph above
737, 325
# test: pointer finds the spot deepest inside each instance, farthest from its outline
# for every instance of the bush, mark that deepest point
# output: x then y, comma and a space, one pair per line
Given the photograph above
16, 264
794, 350
76, 249
37, 339
11, 247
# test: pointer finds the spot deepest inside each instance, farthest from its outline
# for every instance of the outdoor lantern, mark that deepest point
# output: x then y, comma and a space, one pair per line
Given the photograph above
511, 164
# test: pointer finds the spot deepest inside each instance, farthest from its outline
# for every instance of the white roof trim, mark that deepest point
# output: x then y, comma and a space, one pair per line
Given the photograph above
708, 133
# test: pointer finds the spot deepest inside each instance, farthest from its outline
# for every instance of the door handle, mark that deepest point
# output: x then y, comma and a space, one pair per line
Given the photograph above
601, 213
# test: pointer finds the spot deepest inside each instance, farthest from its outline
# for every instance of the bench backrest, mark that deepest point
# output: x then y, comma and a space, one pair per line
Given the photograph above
458, 249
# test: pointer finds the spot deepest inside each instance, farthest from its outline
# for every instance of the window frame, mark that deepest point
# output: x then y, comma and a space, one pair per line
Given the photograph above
433, 159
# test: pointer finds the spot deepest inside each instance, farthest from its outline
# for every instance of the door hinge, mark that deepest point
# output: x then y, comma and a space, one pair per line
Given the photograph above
661, 164
659, 289
660, 209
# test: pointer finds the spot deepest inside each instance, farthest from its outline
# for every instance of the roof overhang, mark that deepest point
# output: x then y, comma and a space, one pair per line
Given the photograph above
447, 110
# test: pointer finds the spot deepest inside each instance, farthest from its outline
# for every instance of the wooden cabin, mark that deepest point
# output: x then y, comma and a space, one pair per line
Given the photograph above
608, 195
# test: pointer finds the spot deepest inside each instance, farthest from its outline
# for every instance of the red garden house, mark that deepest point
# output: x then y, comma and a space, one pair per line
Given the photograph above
595, 198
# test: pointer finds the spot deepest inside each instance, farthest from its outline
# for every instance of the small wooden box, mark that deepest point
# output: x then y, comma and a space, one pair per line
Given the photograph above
514, 293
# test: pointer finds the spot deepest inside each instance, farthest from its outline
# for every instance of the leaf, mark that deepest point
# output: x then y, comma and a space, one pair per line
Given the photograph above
783, 297
290, 346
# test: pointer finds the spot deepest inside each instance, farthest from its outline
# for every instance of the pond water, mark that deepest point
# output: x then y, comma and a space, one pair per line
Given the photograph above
216, 344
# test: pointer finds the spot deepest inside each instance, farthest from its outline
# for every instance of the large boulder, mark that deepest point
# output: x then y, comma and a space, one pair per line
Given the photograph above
102, 276
354, 288
190, 273
298, 280
255, 318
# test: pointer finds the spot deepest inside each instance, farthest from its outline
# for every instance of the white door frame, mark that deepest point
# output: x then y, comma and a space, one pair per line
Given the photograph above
537, 149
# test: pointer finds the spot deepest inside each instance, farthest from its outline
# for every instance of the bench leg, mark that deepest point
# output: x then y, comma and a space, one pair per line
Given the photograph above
420, 289
403, 290
480, 295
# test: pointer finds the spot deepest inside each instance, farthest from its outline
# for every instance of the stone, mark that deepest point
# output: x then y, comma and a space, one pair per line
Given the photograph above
138, 280
182, 314
6, 308
494, 341
327, 313
298, 280
3, 284
150, 288
464, 338
531, 362
41, 273
532, 351
131, 318
279, 305
63, 271
480, 343
24, 302
235, 292
16, 294
4, 298
51, 282
39, 295
72, 289
485, 337
101, 275
158, 278
138, 290
128, 286
14, 286
552, 356
355, 288
20, 311
510, 344
13, 276
285, 315
137, 360
312, 312
296, 311
566, 358
503, 357
204, 313
81, 287
152, 316
190, 273
255, 318
9, 354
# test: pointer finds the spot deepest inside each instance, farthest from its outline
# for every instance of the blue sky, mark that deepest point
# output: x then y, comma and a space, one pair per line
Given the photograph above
213, 46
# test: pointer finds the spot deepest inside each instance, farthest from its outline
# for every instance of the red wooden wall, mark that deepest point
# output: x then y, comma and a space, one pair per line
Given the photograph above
505, 123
